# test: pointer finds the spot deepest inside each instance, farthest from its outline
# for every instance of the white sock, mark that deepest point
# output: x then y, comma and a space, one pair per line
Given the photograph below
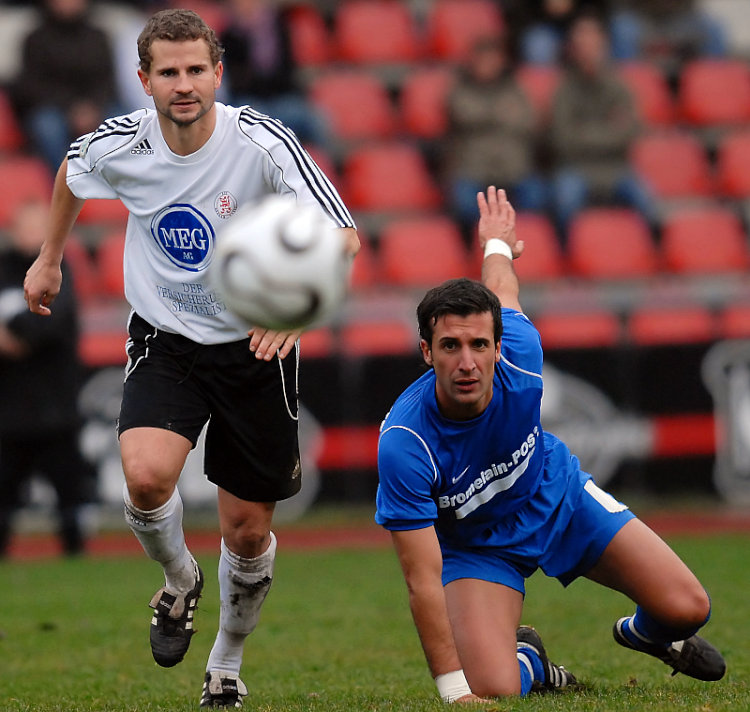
160, 533
243, 585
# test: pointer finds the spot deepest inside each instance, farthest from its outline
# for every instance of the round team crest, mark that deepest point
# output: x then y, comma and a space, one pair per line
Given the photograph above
184, 235
225, 204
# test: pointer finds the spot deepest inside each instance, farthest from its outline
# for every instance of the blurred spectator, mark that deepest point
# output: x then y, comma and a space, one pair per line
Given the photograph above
39, 378
260, 67
594, 122
665, 31
66, 83
491, 136
541, 26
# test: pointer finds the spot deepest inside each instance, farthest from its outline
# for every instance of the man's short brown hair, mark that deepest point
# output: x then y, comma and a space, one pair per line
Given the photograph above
176, 26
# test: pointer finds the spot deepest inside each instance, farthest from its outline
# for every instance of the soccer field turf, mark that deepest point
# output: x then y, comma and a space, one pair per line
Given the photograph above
335, 635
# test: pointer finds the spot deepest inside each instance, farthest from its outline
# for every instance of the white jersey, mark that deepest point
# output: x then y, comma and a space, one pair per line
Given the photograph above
178, 205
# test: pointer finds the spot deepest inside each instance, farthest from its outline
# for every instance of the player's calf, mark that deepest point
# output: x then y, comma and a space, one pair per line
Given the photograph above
545, 675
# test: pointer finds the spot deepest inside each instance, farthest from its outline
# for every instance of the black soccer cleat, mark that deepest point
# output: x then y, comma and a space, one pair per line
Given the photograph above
694, 657
222, 690
556, 677
172, 622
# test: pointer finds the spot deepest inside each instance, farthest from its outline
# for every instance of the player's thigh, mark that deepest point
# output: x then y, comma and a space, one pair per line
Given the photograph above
638, 563
484, 618
245, 526
152, 460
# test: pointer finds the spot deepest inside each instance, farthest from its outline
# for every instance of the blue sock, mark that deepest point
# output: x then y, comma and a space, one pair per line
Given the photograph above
531, 668
643, 627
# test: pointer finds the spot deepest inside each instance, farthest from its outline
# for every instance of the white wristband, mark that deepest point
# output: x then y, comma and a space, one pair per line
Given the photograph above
496, 246
452, 686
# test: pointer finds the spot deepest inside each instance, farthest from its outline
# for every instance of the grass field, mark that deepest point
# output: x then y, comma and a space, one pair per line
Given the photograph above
335, 635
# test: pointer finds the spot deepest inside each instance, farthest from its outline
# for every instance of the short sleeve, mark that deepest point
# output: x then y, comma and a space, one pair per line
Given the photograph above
407, 476
88, 153
85, 182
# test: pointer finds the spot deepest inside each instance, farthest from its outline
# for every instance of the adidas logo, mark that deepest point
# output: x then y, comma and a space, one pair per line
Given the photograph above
142, 149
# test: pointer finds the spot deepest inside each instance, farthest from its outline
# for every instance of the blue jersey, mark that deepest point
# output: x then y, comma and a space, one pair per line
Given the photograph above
486, 482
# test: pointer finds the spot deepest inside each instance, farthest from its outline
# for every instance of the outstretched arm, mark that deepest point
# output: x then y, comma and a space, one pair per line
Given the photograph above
497, 222
43, 280
418, 552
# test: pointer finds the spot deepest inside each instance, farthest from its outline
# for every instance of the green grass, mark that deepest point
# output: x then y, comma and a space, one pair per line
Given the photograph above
335, 635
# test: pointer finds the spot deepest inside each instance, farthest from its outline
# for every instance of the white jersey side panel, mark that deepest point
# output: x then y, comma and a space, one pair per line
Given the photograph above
178, 205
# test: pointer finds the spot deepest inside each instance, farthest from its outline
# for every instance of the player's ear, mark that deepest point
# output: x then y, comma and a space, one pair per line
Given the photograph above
426, 352
497, 352
145, 81
218, 74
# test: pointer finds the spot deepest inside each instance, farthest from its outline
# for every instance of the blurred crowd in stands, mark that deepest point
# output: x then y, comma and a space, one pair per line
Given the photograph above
627, 120
620, 128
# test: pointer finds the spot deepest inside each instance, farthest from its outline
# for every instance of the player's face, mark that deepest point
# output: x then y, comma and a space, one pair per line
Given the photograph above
182, 80
463, 353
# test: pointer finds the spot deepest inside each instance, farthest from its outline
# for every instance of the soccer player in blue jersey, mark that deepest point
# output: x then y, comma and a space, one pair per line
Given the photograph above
477, 497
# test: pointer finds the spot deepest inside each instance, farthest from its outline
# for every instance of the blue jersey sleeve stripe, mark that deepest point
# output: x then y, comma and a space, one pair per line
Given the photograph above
518, 368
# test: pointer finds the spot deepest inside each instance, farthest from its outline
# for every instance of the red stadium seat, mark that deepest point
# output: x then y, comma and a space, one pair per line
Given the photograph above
611, 243
365, 268
674, 164
309, 36
356, 103
542, 257
214, 14
317, 343
650, 91
421, 252
656, 326
109, 260
103, 348
732, 165
704, 241
11, 136
540, 83
375, 32
578, 330
715, 92
453, 26
734, 322
392, 176
423, 101
377, 338
21, 179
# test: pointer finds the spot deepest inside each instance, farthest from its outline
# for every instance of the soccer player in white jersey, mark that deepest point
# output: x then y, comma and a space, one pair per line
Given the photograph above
477, 497
182, 170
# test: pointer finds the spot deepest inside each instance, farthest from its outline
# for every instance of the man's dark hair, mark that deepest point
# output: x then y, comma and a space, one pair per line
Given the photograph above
176, 26
460, 297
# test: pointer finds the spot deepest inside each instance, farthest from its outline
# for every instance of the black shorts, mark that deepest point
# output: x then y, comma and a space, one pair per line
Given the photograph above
251, 406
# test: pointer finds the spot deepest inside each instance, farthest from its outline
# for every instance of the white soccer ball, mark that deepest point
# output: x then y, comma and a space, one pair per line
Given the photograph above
279, 265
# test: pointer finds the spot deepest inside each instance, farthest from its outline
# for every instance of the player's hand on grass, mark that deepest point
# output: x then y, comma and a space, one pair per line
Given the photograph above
497, 220
472, 700
42, 285
266, 343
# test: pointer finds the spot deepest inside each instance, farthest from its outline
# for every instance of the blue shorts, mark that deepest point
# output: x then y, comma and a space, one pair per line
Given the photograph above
564, 551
